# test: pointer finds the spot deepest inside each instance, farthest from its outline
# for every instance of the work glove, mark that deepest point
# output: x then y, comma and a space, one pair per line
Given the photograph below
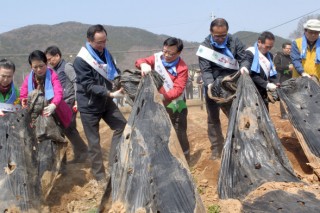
48, 110
145, 68
271, 87
1, 113
304, 74
117, 94
244, 70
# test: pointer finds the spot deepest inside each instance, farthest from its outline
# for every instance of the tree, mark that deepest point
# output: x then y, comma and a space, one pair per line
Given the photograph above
299, 31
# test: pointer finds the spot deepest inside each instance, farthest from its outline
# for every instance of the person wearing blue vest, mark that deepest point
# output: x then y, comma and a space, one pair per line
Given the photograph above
9, 94
259, 60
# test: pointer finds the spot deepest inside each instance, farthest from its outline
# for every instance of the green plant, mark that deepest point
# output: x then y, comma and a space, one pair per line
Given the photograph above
214, 209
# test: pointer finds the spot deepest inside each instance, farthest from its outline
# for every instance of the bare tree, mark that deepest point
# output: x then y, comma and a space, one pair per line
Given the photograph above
299, 31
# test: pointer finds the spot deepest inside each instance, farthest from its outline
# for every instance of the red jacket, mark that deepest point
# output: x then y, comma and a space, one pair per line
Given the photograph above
179, 81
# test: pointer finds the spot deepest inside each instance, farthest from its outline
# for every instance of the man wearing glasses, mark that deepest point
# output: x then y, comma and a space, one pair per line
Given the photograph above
305, 52
219, 55
174, 71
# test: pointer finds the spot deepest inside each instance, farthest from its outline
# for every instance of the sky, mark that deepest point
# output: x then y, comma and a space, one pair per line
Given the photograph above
186, 19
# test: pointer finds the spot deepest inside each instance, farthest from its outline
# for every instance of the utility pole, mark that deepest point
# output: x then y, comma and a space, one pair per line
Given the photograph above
213, 17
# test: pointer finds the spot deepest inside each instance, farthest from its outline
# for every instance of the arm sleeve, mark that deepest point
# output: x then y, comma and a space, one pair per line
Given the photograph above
256, 78
149, 60
71, 74
295, 57
57, 89
278, 63
206, 69
24, 88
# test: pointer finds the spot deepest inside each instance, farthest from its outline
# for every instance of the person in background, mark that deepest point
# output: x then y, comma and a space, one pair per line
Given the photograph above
189, 88
305, 52
259, 60
96, 70
67, 77
173, 69
230, 53
9, 94
283, 64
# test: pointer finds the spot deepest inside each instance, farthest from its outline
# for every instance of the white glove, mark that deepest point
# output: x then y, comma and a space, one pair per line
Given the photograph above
48, 110
244, 70
145, 68
117, 94
1, 113
304, 74
271, 87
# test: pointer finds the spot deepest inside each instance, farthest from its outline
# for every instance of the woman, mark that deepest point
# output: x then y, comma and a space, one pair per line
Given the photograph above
9, 94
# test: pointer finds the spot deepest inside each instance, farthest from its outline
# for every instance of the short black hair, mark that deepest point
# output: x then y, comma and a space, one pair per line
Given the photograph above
221, 22
172, 41
7, 64
285, 44
53, 50
37, 55
266, 35
93, 30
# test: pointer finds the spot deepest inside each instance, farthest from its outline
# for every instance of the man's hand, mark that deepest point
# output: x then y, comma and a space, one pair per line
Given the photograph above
244, 70
24, 103
145, 68
75, 107
304, 74
291, 67
271, 87
117, 94
48, 110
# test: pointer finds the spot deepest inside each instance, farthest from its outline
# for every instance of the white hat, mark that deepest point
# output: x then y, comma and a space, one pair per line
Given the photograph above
312, 24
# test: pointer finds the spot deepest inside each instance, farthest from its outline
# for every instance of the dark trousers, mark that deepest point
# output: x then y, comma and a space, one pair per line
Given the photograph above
179, 123
214, 125
90, 121
78, 145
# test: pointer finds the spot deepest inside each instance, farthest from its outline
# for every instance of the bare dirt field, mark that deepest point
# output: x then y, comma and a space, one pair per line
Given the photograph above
76, 192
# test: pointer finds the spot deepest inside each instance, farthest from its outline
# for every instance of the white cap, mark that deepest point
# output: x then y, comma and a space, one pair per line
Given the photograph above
312, 24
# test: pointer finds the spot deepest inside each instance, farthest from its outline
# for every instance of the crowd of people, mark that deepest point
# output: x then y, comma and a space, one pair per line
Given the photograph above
86, 86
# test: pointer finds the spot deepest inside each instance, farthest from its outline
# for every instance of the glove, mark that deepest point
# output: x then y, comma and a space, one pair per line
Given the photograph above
145, 68
271, 87
304, 74
117, 94
48, 110
1, 113
244, 70
75, 107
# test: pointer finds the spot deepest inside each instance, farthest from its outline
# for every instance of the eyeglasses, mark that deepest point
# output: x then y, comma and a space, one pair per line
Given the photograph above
312, 32
100, 42
40, 66
220, 36
168, 53
6, 76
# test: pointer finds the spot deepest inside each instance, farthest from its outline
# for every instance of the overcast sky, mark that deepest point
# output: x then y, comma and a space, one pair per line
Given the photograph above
186, 19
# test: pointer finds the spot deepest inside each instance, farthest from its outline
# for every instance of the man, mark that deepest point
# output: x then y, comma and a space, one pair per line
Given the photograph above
173, 69
305, 52
229, 52
67, 77
259, 62
95, 71
9, 94
284, 67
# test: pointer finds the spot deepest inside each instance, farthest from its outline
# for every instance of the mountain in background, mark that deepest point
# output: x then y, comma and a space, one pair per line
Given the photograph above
126, 44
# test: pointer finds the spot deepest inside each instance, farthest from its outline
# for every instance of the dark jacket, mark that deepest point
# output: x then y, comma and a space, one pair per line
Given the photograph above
281, 62
260, 79
210, 71
67, 79
92, 88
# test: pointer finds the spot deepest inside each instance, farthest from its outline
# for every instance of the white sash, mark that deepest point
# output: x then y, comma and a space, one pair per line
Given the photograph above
87, 57
9, 107
218, 58
159, 68
263, 61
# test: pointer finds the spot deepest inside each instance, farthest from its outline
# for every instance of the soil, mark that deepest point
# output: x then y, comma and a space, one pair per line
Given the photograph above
77, 192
